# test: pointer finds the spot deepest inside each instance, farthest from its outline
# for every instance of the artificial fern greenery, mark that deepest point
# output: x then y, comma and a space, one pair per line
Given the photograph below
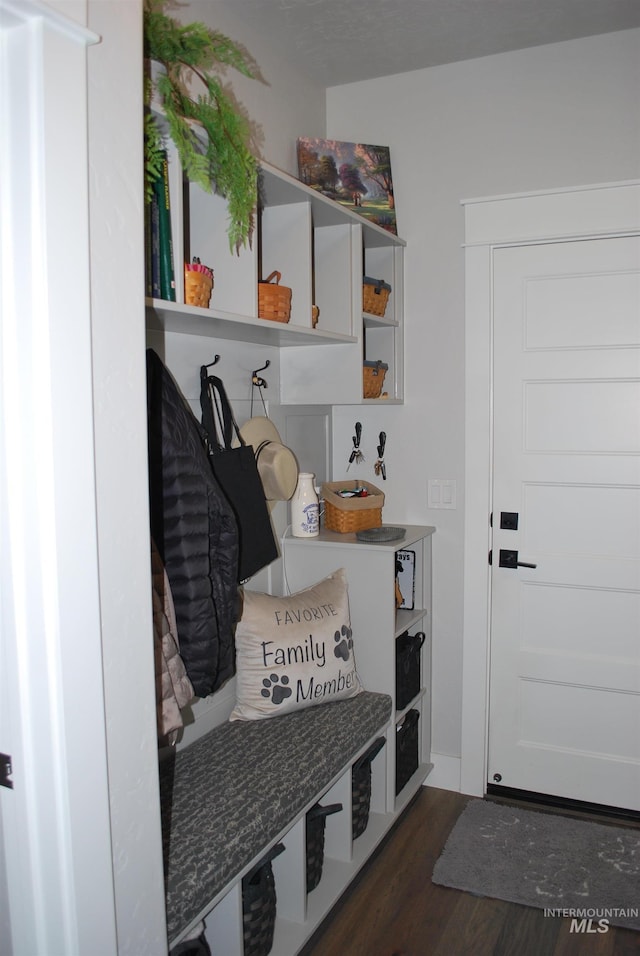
153, 153
221, 159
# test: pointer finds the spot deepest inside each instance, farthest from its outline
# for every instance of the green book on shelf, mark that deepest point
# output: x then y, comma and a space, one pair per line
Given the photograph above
165, 243
152, 249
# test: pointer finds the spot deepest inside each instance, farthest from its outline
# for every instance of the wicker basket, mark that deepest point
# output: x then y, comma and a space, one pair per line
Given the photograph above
408, 649
406, 749
274, 300
375, 295
315, 824
361, 788
351, 514
197, 288
259, 906
373, 374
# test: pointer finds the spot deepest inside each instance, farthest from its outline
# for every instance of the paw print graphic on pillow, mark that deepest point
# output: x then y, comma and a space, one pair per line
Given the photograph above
344, 642
276, 688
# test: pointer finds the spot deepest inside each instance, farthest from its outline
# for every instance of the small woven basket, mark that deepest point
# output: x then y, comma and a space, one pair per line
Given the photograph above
274, 300
197, 288
373, 374
351, 514
375, 295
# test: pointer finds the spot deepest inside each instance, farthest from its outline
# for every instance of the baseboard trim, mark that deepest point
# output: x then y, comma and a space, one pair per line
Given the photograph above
446, 772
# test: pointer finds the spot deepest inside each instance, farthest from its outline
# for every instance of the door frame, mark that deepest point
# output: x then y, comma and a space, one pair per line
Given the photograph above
561, 215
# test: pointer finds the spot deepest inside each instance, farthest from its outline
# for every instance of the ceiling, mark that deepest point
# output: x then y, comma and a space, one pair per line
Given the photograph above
342, 41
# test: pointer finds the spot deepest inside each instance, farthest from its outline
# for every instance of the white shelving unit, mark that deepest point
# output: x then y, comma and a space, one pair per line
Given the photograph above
376, 623
322, 250
298, 912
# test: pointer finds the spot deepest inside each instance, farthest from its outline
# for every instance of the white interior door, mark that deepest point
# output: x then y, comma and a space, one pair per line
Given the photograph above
565, 634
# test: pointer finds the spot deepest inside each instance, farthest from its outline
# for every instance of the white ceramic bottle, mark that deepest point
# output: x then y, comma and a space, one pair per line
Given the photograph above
305, 511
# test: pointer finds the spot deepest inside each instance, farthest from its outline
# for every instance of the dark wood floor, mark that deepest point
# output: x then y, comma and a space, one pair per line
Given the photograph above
395, 910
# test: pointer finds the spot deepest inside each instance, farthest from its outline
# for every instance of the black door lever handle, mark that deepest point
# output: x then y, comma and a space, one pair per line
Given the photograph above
509, 559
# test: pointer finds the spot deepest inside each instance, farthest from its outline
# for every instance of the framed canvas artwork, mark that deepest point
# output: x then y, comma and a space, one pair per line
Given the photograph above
354, 174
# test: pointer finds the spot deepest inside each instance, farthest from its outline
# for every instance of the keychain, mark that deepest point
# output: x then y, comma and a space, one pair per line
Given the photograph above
356, 454
380, 467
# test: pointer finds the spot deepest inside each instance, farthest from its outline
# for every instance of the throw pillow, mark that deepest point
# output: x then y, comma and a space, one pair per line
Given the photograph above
294, 651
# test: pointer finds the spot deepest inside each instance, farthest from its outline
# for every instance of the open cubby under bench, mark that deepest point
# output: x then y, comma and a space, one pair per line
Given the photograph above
246, 785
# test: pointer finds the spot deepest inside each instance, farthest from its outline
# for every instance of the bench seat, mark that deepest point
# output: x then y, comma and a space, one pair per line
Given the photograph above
228, 796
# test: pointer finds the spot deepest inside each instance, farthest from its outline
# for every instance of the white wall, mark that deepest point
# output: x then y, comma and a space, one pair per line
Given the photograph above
560, 115
281, 103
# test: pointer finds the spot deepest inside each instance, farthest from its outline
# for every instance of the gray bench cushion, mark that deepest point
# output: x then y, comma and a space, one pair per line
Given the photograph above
227, 796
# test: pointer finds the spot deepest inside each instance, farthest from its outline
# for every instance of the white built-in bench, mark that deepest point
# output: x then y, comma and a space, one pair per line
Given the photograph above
246, 785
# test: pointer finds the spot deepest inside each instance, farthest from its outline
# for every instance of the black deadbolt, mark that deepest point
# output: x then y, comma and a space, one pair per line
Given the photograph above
509, 520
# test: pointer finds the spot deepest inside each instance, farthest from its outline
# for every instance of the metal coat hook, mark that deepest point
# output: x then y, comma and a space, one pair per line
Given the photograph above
380, 468
256, 379
215, 362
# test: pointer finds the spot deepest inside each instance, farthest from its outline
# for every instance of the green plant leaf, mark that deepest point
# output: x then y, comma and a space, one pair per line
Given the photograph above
211, 136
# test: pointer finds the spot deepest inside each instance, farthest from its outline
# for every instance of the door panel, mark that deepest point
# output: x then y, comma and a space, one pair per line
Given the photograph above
565, 635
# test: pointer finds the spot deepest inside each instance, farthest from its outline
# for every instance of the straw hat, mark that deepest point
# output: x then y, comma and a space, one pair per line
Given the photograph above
277, 465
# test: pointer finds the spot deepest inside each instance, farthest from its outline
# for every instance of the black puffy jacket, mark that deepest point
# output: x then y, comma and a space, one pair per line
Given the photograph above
195, 531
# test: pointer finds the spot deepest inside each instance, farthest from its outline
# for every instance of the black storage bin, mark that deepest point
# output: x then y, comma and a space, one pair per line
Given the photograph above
315, 824
259, 905
361, 788
408, 649
406, 748
198, 946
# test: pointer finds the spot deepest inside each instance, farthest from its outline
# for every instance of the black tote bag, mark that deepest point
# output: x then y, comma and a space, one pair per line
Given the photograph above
237, 474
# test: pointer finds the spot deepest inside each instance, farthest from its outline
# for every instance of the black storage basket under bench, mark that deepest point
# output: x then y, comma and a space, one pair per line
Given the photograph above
361, 788
408, 649
315, 826
259, 905
406, 748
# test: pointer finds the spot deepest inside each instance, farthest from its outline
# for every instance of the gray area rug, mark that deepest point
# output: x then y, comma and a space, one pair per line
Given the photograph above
545, 860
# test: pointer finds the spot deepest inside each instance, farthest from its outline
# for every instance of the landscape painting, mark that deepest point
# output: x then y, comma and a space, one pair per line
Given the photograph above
354, 174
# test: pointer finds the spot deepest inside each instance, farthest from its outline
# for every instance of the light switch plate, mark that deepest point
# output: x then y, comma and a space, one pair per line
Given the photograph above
441, 493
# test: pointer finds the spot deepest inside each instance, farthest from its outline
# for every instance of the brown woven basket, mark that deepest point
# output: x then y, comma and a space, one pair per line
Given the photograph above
274, 300
375, 295
197, 288
351, 514
373, 374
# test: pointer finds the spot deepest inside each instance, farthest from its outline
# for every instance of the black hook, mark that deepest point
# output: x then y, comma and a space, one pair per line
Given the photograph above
255, 378
215, 362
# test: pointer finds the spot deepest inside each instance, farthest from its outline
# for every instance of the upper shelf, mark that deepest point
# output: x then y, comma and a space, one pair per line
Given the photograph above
322, 250
278, 188
192, 320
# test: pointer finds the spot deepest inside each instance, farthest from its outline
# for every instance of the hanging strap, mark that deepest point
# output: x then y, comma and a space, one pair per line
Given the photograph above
253, 388
216, 406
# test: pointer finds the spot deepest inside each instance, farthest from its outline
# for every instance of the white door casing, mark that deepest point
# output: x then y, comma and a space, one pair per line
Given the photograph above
565, 635
56, 848
590, 211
